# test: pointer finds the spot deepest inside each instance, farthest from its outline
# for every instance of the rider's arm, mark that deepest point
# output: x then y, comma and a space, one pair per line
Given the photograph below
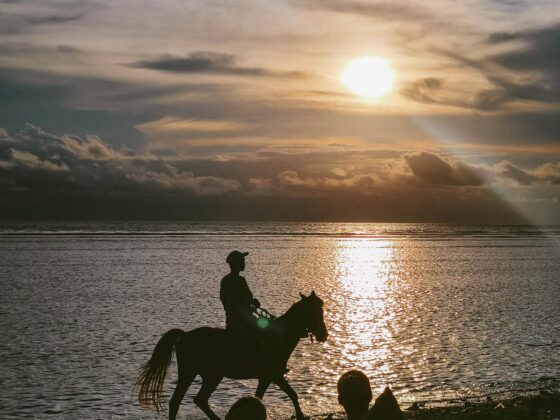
247, 292
244, 288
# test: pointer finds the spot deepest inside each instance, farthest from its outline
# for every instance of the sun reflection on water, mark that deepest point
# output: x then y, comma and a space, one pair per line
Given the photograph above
363, 270
363, 266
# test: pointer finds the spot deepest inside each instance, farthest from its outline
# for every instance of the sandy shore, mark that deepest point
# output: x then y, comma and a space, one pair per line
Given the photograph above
545, 406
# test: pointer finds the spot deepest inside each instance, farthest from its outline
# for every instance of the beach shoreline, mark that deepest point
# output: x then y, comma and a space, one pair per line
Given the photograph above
543, 405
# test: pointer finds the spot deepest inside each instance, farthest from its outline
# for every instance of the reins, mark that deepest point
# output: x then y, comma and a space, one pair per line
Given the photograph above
264, 313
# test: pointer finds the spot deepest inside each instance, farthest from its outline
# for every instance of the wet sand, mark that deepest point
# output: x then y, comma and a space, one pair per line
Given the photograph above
544, 406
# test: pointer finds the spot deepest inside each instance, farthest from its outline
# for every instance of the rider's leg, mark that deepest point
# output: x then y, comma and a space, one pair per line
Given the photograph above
275, 363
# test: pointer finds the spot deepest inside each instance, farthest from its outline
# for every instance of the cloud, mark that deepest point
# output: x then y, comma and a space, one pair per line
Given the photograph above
25, 16
179, 126
411, 170
393, 10
34, 159
290, 182
425, 90
509, 171
52, 19
538, 50
33, 162
15, 23
527, 71
117, 109
512, 4
501, 91
505, 171
206, 62
534, 54
176, 135
548, 172
319, 183
58, 52
430, 168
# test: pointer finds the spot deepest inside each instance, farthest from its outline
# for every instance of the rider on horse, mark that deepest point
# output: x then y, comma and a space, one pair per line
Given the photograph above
236, 296
259, 341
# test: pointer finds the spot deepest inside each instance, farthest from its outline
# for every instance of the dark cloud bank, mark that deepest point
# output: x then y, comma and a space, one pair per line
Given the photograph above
43, 176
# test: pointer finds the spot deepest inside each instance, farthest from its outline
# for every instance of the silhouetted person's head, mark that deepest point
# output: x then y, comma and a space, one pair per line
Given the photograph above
354, 394
247, 408
236, 261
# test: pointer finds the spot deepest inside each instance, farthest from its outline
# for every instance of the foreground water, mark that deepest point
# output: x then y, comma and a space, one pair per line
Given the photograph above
434, 311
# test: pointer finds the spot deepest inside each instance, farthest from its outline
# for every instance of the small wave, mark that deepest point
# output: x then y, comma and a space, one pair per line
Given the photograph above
335, 230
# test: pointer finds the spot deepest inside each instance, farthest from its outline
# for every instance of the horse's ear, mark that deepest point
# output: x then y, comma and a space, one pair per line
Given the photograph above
302, 296
313, 294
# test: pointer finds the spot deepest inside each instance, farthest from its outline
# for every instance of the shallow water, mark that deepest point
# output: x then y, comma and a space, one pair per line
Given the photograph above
434, 311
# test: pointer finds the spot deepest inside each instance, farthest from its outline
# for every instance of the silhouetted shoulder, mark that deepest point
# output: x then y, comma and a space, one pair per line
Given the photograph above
385, 407
235, 291
232, 277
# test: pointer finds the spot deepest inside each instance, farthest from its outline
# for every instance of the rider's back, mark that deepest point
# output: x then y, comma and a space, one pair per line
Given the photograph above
236, 298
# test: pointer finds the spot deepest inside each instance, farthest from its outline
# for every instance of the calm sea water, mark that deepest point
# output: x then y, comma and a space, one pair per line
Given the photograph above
434, 311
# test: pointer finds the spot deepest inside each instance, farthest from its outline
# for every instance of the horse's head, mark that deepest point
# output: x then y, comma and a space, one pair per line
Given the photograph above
312, 308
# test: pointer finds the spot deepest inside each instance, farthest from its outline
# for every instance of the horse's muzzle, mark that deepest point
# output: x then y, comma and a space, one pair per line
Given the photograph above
322, 336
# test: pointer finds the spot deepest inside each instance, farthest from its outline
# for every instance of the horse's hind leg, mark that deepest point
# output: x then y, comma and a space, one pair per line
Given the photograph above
183, 384
209, 385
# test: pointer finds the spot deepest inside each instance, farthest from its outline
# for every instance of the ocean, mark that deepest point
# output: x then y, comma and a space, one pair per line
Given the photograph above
437, 312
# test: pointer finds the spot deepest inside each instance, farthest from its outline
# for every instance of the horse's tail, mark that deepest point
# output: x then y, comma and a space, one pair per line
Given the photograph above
153, 373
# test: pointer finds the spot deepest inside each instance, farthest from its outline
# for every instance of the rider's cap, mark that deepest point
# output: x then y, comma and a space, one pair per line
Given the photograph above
235, 256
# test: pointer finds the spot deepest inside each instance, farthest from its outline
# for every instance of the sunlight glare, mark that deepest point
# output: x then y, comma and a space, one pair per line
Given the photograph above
369, 77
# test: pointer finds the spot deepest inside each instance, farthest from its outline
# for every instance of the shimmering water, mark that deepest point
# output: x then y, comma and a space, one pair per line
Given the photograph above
434, 311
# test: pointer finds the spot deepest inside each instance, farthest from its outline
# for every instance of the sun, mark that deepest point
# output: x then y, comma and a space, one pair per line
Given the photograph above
370, 77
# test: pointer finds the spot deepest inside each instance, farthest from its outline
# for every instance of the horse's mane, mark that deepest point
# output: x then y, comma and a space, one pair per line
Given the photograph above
298, 304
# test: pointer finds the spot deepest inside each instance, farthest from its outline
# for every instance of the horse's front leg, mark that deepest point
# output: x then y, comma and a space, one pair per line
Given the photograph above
261, 388
287, 388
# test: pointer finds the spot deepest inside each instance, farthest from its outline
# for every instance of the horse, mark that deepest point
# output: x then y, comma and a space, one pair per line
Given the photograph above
207, 352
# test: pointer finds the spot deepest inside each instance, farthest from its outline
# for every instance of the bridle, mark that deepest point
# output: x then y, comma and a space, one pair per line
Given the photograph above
309, 334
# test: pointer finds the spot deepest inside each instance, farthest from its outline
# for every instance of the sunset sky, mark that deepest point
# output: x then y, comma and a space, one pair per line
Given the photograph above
236, 110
